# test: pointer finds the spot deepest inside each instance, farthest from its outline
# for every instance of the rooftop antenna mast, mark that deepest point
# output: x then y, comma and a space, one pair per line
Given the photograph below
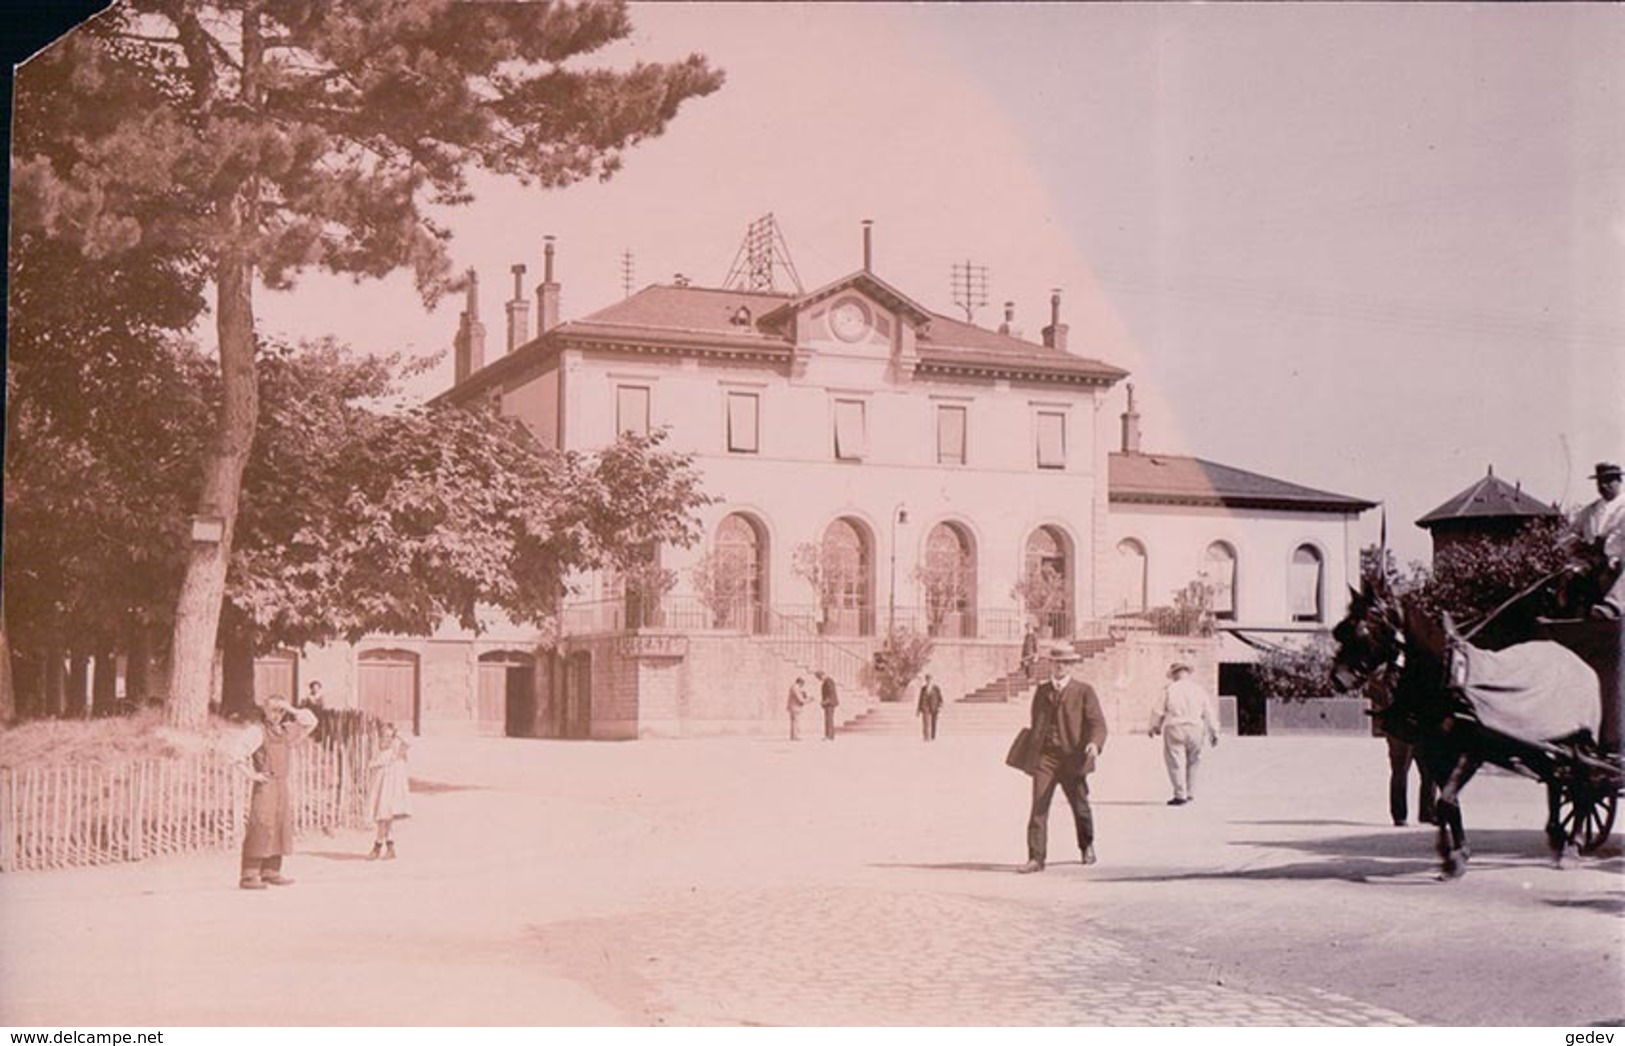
762, 255
970, 288
626, 272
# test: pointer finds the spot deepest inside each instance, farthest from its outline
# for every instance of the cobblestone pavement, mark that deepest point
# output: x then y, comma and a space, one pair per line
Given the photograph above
915, 959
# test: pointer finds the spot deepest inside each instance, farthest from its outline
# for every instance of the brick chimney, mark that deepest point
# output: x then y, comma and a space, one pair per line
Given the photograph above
1055, 333
468, 350
1009, 317
1131, 425
518, 311
868, 244
547, 294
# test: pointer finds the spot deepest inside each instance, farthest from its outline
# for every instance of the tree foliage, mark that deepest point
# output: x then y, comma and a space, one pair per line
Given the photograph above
357, 520
902, 656
1296, 673
264, 139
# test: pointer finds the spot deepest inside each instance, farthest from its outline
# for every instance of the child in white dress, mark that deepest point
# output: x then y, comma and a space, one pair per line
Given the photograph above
387, 797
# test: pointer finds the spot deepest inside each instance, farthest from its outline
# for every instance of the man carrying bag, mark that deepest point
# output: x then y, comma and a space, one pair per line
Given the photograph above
1068, 731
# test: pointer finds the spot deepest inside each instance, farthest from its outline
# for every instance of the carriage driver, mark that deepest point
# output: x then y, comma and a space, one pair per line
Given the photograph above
1601, 525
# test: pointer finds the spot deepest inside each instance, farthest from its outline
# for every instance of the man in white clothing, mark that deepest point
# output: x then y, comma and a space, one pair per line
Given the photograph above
1188, 724
1601, 526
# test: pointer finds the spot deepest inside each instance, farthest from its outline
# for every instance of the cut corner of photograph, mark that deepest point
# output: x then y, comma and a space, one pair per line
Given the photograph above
607, 520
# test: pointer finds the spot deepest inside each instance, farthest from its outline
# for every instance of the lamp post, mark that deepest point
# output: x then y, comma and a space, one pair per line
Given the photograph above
898, 515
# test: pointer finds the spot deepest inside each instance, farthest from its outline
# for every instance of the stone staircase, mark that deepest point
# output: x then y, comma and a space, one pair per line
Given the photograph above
1000, 706
958, 717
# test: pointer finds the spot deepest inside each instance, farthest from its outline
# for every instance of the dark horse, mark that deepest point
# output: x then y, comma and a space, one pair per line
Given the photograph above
1385, 643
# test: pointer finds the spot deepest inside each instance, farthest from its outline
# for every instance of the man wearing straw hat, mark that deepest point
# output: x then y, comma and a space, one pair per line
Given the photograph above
1187, 724
1070, 731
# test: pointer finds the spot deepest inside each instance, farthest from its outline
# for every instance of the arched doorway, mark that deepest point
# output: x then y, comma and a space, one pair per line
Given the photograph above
1046, 580
387, 684
948, 578
739, 585
847, 561
1128, 588
507, 702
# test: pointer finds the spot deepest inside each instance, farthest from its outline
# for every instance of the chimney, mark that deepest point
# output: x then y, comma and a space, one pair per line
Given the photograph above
469, 348
868, 244
1055, 333
518, 311
547, 295
1009, 317
1131, 425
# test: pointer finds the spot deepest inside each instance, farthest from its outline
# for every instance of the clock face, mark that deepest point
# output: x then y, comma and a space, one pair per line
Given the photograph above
849, 320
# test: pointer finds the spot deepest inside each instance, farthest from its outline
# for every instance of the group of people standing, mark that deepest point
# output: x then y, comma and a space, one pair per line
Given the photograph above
264, 754
828, 698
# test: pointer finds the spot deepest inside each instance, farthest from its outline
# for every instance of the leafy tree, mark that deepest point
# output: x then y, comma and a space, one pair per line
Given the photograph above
1515, 579
902, 656
264, 139
1042, 593
721, 580
1296, 673
946, 581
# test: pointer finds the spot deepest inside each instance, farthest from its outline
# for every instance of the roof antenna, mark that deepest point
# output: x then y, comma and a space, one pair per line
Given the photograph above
762, 254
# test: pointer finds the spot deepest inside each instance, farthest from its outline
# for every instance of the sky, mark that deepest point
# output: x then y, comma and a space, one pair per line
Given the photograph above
1372, 249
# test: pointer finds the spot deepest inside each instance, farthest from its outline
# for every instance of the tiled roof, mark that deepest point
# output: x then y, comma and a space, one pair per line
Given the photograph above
1176, 480
666, 317
666, 308
1490, 498
950, 343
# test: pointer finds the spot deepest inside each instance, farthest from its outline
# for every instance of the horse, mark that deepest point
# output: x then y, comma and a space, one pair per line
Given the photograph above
1386, 642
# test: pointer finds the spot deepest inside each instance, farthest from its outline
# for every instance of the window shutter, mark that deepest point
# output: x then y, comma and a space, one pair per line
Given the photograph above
1051, 441
632, 410
743, 418
850, 436
950, 435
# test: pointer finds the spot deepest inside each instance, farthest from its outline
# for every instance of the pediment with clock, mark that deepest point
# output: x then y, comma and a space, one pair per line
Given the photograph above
860, 316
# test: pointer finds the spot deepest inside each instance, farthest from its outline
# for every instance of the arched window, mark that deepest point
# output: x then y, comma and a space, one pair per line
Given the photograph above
948, 578
1307, 584
848, 563
741, 572
1046, 581
1219, 572
1128, 590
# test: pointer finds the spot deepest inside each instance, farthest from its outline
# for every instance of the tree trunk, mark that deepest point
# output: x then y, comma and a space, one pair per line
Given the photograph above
55, 685
237, 669
104, 685
138, 670
8, 692
78, 694
197, 611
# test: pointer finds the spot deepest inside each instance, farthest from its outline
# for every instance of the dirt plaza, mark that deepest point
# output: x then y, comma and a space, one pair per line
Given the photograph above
868, 881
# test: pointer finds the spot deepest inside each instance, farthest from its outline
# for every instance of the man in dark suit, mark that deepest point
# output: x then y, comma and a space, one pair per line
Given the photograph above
828, 699
929, 706
1069, 731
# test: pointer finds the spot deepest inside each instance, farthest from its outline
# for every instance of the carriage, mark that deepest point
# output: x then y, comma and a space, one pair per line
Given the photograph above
1588, 777
1531, 708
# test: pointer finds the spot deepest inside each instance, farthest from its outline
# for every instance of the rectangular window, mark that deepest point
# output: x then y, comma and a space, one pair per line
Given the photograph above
851, 435
632, 409
950, 435
743, 419
1051, 440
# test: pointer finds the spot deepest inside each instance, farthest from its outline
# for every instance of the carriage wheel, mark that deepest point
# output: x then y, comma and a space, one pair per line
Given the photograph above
1586, 817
